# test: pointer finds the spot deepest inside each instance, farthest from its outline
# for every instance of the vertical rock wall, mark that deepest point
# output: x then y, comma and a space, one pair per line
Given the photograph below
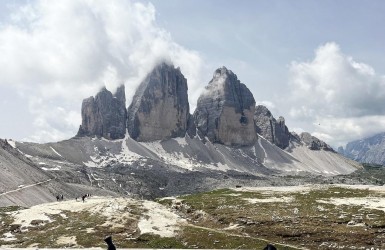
225, 111
160, 108
105, 115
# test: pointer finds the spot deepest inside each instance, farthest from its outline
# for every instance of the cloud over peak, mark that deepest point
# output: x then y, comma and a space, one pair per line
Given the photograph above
63, 51
337, 94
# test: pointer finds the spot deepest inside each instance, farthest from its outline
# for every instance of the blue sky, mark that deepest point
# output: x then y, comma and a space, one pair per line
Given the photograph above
317, 63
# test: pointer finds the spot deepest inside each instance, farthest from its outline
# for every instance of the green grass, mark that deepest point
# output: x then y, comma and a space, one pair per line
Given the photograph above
303, 222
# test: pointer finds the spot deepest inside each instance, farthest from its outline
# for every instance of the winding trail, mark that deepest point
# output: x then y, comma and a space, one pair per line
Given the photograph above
24, 187
242, 236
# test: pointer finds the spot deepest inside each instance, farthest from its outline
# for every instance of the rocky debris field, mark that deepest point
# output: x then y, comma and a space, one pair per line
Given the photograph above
290, 217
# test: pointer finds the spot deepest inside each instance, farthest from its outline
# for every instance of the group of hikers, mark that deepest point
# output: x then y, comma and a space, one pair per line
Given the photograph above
60, 197
84, 197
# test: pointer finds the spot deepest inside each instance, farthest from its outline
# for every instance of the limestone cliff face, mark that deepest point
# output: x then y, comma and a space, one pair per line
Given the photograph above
367, 150
314, 143
225, 111
160, 108
271, 129
104, 115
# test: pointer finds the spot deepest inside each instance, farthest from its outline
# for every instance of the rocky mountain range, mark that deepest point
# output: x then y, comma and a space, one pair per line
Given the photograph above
155, 147
368, 150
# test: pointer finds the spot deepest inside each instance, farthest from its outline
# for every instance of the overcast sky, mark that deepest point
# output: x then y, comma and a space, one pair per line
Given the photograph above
319, 64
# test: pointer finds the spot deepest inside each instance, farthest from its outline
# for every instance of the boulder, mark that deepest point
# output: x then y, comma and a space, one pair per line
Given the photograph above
225, 111
160, 108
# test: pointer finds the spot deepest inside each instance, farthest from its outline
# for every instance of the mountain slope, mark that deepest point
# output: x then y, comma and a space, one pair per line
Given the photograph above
26, 181
192, 154
368, 150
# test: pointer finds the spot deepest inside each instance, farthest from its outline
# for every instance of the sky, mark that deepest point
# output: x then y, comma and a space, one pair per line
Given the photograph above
319, 64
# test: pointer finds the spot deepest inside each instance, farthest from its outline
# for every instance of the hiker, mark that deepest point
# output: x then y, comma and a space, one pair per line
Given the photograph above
62, 197
83, 198
57, 197
270, 247
110, 245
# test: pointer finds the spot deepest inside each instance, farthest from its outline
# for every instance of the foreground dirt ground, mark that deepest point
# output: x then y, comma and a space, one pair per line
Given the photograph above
299, 217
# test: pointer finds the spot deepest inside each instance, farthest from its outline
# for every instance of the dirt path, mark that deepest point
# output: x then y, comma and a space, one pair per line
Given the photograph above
24, 187
242, 236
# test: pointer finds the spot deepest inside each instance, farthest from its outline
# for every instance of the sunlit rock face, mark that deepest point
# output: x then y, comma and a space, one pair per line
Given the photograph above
104, 115
160, 108
225, 111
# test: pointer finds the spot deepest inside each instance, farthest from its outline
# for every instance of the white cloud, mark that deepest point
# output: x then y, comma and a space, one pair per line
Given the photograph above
58, 52
344, 99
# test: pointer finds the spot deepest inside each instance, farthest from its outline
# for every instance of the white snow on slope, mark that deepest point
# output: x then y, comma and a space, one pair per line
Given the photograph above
194, 155
12, 143
56, 152
366, 202
268, 200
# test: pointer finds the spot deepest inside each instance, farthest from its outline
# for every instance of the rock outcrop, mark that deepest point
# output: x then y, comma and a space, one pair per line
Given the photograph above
314, 143
105, 115
271, 129
225, 111
160, 108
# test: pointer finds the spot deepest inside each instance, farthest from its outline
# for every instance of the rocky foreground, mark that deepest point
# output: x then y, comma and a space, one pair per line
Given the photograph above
300, 217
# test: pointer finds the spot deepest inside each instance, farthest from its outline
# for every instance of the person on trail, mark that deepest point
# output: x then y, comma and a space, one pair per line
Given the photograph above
270, 247
110, 245
57, 197
83, 198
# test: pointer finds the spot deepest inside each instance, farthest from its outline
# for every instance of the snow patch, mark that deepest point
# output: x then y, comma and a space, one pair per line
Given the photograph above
56, 152
268, 200
377, 203
12, 143
56, 168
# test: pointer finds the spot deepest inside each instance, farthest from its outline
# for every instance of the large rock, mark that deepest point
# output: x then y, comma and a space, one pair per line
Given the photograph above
225, 111
160, 108
271, 129
314, 143
105, 115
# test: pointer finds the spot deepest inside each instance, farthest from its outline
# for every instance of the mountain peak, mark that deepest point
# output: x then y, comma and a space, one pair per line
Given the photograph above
271, 129
225, 110
160, 107
104, 115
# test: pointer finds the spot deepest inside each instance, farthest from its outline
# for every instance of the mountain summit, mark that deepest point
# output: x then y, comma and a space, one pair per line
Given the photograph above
225, 111
160, 107
105, 115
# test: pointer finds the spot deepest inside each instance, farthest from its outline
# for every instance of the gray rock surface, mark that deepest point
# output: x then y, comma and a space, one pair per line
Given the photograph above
271, 129
314, 143
368, 150
105, 115
225, 111
160, 108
